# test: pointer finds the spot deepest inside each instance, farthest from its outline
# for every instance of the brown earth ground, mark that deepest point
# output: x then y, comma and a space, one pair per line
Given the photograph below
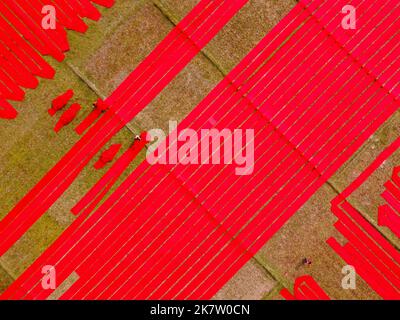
97, 63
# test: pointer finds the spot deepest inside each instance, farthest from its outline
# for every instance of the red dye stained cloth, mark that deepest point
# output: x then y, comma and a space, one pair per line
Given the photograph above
67, 116
107, 156
60, 102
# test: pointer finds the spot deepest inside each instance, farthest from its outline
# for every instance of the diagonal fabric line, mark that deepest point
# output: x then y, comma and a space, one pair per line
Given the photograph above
355, 58
377, 261
24, 41
200, 289
242, 2
54, 183
205, 208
